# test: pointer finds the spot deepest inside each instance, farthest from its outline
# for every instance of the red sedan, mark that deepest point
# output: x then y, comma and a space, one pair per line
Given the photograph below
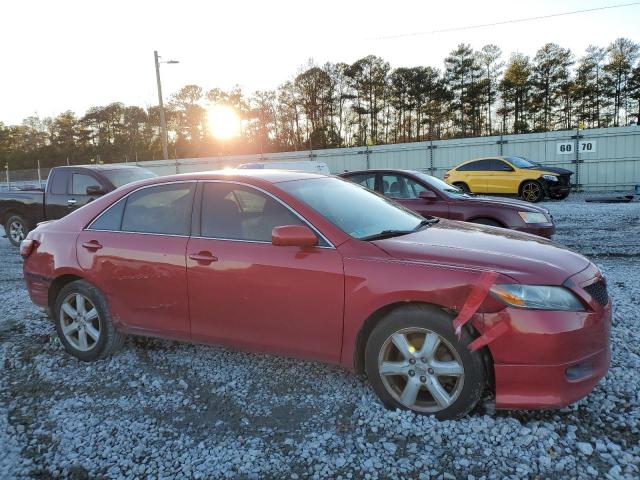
430, 196
306, 265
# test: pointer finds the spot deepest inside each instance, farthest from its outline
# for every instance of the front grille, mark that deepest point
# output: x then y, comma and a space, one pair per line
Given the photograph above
598, 291
564, 180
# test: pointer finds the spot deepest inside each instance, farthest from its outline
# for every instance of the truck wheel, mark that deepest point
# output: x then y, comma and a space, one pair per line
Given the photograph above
415, 361
83, 322
16, 229
532, 191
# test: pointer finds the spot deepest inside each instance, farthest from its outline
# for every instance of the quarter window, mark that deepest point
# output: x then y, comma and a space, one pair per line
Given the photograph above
236, 212
163, 209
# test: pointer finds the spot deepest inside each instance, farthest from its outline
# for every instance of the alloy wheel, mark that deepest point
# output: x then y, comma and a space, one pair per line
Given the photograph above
531, 192
16, 231
80, 322
421, 370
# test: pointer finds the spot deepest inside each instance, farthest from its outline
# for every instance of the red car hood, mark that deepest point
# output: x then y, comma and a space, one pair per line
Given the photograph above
504, 202
526, 258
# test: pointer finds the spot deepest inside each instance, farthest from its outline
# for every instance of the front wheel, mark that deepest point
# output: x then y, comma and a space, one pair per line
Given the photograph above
532, 191
83, 322
414, 361
16, 229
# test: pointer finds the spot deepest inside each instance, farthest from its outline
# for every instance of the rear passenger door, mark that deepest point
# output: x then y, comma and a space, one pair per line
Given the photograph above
476, 175
56, 196
134, 252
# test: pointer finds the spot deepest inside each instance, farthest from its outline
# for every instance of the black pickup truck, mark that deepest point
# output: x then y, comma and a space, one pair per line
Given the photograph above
67, 189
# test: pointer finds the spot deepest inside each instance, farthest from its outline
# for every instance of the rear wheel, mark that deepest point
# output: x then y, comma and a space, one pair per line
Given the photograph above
16, 229
414, 361
462, 186
532, 191
83, 322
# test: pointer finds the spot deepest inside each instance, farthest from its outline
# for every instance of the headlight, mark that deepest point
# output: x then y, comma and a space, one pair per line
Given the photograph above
533, 217
537, 297
551, 178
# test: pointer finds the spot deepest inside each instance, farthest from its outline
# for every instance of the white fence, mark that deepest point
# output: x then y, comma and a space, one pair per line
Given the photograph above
606, 159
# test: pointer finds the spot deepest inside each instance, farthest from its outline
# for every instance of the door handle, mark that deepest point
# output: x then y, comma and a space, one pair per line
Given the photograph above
203, 257
92, 246
71, 202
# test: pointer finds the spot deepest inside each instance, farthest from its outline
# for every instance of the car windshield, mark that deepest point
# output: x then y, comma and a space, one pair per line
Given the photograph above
440, 185
122, 176
520, 162
352, 208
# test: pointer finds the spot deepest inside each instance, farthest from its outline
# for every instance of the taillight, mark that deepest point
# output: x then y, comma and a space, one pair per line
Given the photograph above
446, 175
27, 246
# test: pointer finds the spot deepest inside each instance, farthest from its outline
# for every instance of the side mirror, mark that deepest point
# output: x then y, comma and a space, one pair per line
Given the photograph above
428, 195
293, 236
95, 190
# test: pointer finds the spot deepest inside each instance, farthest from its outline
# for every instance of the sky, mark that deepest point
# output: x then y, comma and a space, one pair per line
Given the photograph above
63, 55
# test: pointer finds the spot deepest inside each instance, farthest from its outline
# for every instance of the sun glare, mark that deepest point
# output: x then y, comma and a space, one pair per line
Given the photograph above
224, 122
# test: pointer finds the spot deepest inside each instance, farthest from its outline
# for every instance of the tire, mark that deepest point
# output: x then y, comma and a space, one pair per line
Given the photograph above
415, 324
487, 221
532, 191
101, 338
559, 196
16, 229
462, 186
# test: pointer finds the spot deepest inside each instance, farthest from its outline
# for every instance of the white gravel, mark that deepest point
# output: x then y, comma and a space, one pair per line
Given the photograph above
161, 409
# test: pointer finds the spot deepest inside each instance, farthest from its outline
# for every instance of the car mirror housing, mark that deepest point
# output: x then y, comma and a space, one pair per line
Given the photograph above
428, 195
293, 236
95, 190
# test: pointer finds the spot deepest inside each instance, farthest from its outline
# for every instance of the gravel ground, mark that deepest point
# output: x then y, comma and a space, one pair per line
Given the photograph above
160, 409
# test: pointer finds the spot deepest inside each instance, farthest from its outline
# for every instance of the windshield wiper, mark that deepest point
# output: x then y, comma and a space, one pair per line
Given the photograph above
396, 233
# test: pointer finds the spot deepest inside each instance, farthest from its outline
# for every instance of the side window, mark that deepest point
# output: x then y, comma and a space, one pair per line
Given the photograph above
235, 212
164, 209
500, 166
111, 218
477, 166
80, 182
395, 186
367, 180
414, 188
59, 183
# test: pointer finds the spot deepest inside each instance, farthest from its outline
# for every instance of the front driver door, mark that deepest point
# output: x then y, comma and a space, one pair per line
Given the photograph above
246, 292
501, 178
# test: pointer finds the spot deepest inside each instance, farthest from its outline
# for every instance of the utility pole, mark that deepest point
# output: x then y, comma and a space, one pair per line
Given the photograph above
163, 123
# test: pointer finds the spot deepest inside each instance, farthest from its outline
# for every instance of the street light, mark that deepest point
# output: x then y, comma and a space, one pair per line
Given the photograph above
163, 122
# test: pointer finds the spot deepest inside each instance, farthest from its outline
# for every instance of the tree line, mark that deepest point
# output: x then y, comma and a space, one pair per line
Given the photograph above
475, 93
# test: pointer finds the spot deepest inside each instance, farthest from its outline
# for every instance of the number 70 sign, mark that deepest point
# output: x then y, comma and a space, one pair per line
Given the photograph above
569, 148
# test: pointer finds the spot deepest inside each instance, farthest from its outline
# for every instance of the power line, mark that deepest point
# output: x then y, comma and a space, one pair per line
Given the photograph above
505, 22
